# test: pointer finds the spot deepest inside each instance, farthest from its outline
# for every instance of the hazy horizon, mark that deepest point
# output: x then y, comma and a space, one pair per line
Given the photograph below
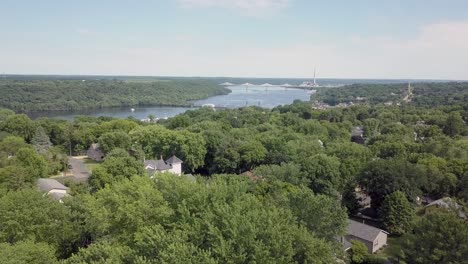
227, 77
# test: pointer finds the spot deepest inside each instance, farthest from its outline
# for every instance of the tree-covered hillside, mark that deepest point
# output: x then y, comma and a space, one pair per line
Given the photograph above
423, 94
46, 95
270, 186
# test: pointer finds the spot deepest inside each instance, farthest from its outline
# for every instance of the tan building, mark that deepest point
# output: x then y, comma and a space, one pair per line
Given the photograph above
374, 238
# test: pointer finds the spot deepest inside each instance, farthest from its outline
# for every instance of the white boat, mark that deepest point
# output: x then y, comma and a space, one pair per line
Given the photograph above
132, 109
209, 105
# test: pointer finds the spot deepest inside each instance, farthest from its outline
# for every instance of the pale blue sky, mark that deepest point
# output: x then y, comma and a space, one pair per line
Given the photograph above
257, 38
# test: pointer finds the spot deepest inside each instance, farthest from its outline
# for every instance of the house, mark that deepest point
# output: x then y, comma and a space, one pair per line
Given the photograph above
374, 238
52, 188
357, 135
172, 165
176, 165
95, 152
446, 203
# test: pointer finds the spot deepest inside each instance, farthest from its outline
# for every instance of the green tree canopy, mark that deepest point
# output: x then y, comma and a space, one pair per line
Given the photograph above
454, 124
28, 214
397, 213
27, 252
439, 238
19, 125
117, 139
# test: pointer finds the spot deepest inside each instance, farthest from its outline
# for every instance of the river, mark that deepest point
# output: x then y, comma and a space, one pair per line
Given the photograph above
267, 97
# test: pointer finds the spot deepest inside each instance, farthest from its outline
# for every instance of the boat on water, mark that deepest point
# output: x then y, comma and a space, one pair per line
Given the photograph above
132, 109
209, 105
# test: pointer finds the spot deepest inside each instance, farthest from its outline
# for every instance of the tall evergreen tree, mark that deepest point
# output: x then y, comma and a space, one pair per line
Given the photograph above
396, 213
454, 125
41, 141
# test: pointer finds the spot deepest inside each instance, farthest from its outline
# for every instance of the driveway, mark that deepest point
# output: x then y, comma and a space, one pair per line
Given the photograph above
79, 171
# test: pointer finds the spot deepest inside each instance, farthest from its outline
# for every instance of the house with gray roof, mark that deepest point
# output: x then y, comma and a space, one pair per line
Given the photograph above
373, 237
357, 135
446, 203
52, 188
345, 244
95, 152
172, 165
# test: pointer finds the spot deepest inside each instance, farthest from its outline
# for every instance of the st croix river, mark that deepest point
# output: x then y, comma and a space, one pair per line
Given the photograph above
241, 96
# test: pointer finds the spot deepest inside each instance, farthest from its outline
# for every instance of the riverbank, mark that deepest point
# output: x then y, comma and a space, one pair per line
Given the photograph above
239, 96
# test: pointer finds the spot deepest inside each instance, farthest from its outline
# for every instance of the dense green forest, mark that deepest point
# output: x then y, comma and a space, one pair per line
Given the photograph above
272, 186
47, 95
424, 94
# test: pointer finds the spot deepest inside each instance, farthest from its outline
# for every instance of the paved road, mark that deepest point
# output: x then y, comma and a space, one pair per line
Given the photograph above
80, 173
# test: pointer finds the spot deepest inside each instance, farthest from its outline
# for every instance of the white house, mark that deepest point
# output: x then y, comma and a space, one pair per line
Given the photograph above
52, 188
172, 165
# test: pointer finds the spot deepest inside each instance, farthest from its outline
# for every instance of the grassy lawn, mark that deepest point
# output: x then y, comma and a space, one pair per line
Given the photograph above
90, 164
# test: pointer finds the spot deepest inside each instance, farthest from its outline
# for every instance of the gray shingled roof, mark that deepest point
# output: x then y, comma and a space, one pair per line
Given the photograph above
161, 165
363, 231
344, 242
448, 203
174, 160
46, 185
151, 163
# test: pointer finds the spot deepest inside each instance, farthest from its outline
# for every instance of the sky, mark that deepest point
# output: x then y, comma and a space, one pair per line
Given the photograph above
387, 39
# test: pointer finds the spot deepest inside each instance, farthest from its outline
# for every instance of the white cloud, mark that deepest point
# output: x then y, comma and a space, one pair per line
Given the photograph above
248, 7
